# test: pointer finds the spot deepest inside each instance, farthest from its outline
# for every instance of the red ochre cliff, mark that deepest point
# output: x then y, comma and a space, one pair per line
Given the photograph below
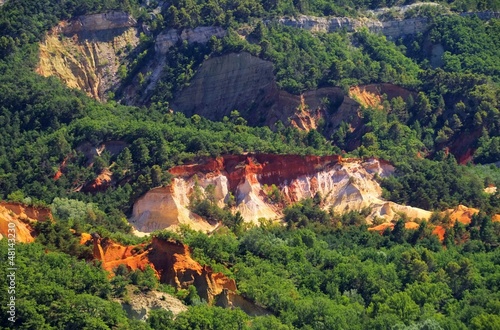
270, 168
344, 184
171, 261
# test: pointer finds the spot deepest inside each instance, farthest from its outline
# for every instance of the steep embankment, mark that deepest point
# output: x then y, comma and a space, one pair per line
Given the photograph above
86, 52
344, 185
21, 216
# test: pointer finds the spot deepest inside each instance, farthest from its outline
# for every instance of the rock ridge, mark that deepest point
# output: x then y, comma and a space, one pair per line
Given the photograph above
392, 29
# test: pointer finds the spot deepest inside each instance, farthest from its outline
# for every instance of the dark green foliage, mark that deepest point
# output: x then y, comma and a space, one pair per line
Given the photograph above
317, 274
309, 276
470, 45
323, 270
58, 237
437, 185
54, 290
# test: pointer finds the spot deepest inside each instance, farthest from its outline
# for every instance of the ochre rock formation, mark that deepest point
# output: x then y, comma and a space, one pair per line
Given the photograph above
439, 231
21, 216
461, 214
344, 184
174, 263
382, 227
86, 52
171, 260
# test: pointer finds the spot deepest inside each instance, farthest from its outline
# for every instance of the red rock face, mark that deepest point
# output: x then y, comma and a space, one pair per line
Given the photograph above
170, 260
270, 169
176, 267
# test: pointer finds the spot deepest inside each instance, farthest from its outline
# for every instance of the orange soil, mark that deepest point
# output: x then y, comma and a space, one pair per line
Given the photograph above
270, 168
439, 231
461, 214
366, 98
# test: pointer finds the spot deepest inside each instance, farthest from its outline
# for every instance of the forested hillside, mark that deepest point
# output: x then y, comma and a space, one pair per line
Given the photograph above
87, 162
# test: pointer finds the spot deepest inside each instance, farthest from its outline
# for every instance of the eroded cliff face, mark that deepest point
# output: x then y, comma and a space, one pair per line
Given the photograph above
222, 84
86, 52
392, 29
171, 261
166, 207
344, 184
247, 83
21, 216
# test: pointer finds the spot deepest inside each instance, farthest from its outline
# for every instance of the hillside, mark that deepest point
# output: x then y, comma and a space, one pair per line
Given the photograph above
250, 164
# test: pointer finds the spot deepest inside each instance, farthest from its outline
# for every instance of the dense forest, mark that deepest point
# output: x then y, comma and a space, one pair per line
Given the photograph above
309, 275
319, 270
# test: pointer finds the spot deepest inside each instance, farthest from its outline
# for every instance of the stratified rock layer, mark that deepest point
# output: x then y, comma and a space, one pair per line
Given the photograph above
344, 184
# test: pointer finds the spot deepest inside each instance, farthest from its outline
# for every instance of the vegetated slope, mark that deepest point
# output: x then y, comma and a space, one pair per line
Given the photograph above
167, 74
321, 270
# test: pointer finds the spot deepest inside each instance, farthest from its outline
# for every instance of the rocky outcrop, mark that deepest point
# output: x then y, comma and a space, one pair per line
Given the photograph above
200, 34
344, 184
20, 218
392, 29
176, 267
461, 214
85, 53
171, 260
491, 189
383, 227
230, 299
101, 183
166, 207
